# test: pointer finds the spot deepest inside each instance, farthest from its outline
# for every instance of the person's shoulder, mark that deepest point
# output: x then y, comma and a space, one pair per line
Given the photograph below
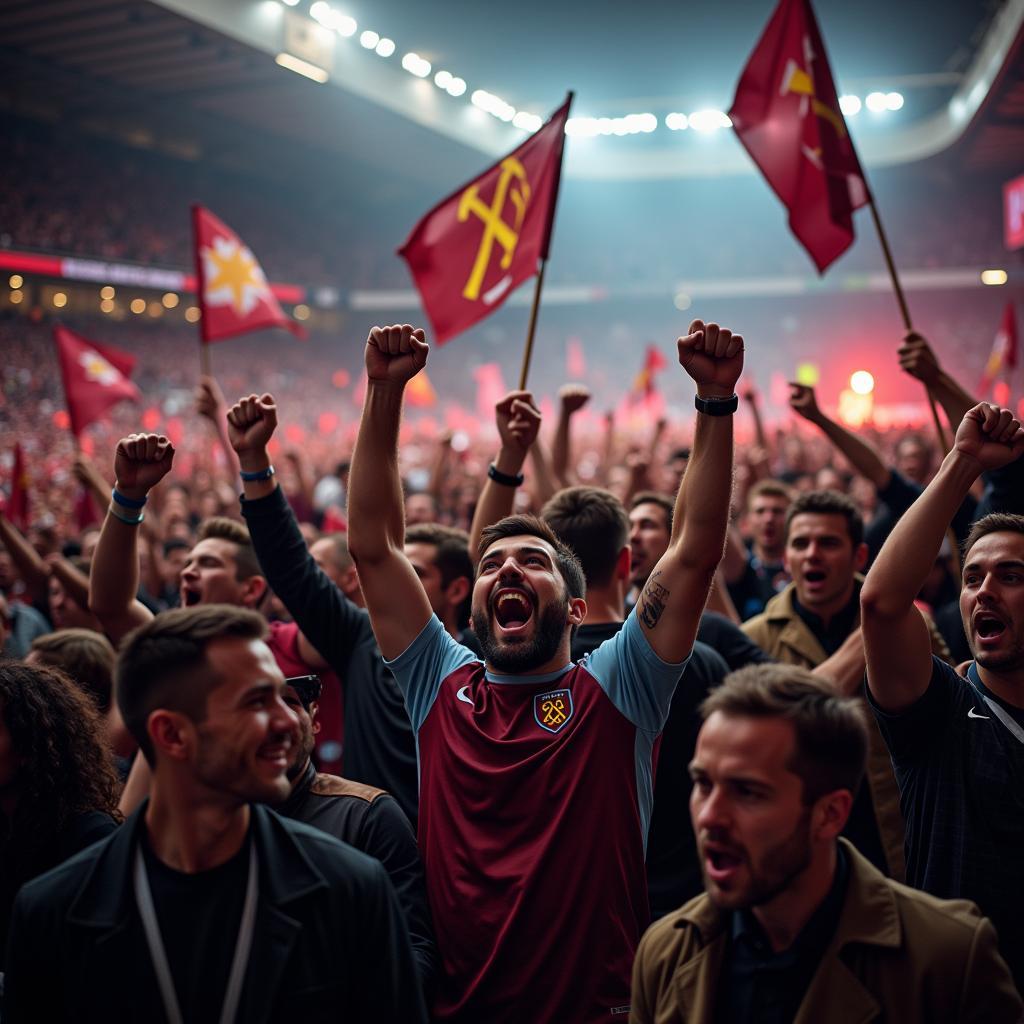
947, 927
704, 658
335, 787
334, 859
62, 883
678, 936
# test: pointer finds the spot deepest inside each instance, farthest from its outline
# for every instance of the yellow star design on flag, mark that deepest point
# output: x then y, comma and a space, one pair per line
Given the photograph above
234, 268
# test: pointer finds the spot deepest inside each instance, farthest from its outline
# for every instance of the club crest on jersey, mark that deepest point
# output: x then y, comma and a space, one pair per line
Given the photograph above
552, 710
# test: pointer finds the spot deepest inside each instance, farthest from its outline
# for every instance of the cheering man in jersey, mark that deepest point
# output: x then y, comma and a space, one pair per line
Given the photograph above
536, 775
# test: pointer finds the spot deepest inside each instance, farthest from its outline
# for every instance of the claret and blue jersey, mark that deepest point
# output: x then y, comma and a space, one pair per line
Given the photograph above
535, 801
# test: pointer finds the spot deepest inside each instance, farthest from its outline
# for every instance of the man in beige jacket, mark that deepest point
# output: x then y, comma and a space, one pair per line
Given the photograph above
794, 924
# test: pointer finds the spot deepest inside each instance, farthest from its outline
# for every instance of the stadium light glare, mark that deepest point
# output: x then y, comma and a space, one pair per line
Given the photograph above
527, 122
170, 300
385, 47
582, 127
677, 122
861, 382
321, 13
291, 3
443, 79
875, 102
416, 65
60, 300
192, 314
456, 87
850, 105
16, 281
369, 39
154, 309
138, 306
994, 277
345, 26
709, 120
107, 292
301, 67
301, 311
107, 306
16, 296
893, 100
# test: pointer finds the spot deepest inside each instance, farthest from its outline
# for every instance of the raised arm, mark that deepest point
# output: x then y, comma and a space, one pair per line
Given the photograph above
679, 583
896, 638
210, 404
141, 461
395, 599
571, 398
518, 422
918, 360
29, 563
863, 456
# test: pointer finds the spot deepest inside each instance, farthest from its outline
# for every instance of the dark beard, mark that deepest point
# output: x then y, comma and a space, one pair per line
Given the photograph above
529, 654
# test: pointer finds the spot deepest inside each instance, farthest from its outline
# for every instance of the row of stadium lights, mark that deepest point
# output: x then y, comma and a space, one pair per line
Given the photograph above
138, 305
586, 127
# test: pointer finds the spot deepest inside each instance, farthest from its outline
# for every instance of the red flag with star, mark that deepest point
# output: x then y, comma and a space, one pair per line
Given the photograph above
1004, 350
234, 295
473, 249
18, 504
786, 114
95, 377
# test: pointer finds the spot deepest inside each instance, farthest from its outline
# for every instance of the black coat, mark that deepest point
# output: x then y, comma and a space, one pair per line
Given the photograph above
330, 943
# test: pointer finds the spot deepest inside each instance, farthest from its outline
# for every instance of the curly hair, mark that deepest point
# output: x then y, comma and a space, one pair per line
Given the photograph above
64, 769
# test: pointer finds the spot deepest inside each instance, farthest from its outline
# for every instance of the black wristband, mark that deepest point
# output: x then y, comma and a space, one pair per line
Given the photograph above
504, 478
716, 406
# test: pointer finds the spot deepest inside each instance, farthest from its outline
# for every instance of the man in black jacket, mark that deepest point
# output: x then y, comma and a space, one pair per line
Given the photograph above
206, 905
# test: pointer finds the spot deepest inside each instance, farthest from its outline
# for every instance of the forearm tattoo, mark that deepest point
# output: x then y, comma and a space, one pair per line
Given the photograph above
653, 602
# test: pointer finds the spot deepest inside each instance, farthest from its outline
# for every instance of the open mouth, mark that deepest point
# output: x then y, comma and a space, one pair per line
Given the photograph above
814, 576
275, 754
512, 609
189, 597
720, 862
988, 626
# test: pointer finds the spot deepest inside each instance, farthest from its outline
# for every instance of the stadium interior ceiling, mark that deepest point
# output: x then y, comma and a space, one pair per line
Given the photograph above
195, 83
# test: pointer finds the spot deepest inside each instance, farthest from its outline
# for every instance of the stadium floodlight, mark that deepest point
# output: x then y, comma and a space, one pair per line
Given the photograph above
321, 12
345, 26
677, 122
527, 122
443, 79
709, 120
385, 47
416, 65
876, 102
301, 67
290, 3
893, 100
994, 277
581, 127
369, 39
456, 87
850, 105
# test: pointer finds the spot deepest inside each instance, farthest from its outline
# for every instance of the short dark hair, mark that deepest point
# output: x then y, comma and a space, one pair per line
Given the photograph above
771, 488
339, 548
659, 499
513, 526
994, 522
451, 556
831, 746
162, 664
222, 528
594, 523
175, 544
85, 655
828, 503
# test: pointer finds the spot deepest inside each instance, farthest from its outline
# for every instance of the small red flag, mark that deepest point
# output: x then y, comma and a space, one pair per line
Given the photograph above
95, 376
473, 249
786, 114
234, 295
18, 505
654, 361
1004, 349
420, 392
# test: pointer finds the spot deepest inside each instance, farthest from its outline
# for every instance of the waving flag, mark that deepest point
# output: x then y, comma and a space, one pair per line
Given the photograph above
1004, 350
473, 249
18, 503
786, 114
643, 382
234, 295
95, 376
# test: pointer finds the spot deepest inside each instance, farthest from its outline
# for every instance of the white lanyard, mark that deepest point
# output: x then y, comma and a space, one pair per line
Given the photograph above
157, 953
997, 709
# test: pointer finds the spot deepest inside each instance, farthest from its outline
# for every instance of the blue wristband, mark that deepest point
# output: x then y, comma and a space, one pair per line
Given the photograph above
124, 502
263, 474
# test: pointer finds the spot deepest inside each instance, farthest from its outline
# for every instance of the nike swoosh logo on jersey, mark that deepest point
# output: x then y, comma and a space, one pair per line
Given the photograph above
464, 696
971, 714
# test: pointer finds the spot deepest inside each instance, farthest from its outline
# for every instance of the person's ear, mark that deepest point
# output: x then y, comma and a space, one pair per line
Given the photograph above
456, 591
254, 590
623, 564
830, 814
860, 557
314, 708
577, 611
171, 733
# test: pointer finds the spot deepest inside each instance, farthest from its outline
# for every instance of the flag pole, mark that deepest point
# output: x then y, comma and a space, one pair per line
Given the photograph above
532, 329
904, 311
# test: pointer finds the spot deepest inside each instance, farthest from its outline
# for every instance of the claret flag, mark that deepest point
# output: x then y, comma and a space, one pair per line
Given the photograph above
95, 377
1003, 356
786, 113
473, 249
234, 295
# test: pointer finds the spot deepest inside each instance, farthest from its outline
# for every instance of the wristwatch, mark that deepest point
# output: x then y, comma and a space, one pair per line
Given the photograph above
716, 406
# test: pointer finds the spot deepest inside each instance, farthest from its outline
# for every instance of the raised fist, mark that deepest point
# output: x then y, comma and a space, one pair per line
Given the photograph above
394, 355
518, 421
918, 359
573, 397
251, 423
803, 401
210, 399
991, 436
713, 357
141, 461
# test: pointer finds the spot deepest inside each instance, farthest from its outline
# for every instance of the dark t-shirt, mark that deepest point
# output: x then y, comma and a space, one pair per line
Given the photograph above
199, 915
725, 637
673, 869
961, 778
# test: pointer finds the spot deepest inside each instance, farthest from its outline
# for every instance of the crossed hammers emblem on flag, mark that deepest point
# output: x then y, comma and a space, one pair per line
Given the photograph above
512, 184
